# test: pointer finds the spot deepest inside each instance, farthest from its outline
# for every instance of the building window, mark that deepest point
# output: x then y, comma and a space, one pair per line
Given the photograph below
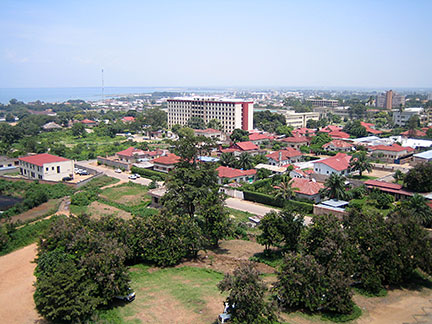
58, 169
47, 169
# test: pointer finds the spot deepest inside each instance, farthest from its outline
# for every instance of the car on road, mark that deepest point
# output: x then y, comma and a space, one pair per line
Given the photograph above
137, 175
117, 171
132, 177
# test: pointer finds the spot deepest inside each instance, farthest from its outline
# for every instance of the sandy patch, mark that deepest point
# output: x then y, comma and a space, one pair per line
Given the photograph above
16, 287
97, 210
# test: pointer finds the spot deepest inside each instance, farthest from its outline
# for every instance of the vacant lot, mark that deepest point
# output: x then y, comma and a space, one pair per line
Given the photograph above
97, 210
43, 209
127, 194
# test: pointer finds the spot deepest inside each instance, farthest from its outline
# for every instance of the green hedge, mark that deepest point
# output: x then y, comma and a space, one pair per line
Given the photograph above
150, 174
299, 206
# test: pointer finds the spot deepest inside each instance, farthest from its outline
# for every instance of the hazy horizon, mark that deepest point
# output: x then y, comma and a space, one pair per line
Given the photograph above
223, 44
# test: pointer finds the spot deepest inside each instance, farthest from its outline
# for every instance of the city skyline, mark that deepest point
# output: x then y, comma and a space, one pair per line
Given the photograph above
241, 44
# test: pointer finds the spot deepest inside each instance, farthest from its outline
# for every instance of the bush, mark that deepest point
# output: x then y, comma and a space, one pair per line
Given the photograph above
150, 174
298, 206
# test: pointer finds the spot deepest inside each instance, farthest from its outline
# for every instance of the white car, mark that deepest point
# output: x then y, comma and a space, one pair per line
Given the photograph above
127, 298
117, 171
132, 177
225, 317
137, 175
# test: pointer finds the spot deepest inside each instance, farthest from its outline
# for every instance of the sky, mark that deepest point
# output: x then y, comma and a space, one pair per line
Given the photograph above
219, 43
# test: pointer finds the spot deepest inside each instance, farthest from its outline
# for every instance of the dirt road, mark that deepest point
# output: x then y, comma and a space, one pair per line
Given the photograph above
16, 287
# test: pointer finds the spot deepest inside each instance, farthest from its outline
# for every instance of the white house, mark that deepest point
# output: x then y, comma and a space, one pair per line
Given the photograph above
284, 157
46, 167
336, 164
165, 163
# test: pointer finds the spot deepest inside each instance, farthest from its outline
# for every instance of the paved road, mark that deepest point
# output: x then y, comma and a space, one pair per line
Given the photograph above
110, 172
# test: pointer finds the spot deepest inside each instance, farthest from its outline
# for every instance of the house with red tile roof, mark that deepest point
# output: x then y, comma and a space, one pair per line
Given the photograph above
132, 155
165, 163
210, 133
299, 173
88, 122
241, 147
296, 141
258, 138
283, 157
387, 187
370, 128
338, 164
330, 128
339, 135
46, 167
414, 133
235, 175
303, 131
307, 189
390, 152
338, 145
128, 119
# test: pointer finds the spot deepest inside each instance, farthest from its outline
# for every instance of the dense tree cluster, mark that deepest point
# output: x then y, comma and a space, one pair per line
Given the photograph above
268, 121
419, 178
355, 129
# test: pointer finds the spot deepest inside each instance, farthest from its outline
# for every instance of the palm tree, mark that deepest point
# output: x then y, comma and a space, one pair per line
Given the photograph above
228, 159
420, 209
285, 190
245, 161
398, 176
334, 187
360, 162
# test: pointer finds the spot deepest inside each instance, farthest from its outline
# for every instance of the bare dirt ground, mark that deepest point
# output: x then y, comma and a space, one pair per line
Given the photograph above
37, 211
16, 287
228, 256
378, 173
97, 210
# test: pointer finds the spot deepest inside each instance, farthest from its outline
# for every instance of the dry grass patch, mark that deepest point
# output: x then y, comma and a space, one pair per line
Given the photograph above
97, 210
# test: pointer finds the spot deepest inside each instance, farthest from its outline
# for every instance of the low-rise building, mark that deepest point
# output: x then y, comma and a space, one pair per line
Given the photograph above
390, 152
307, 189
333, 207
423, 157
299, 119
401, 118
338, 146
413, 133
165, 163
370, 128
235, 175
284, 157
390, 188
274, 169
215, 134
258, 138
46, 167
339, 135
338, 164
296, 141
319, 102
133, 155
303, 131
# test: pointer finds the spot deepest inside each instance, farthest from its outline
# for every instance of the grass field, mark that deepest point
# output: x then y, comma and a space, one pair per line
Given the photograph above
126, 193
171, 295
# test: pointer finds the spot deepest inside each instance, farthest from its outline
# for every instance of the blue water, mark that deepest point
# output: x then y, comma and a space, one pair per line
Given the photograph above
84, 93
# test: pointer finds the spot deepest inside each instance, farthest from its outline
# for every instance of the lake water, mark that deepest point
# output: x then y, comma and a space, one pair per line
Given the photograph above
83, 93
7, 202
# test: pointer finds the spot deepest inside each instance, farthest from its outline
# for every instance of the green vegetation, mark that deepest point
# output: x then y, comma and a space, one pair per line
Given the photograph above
268, 121
419, 178
149, 174
17, 238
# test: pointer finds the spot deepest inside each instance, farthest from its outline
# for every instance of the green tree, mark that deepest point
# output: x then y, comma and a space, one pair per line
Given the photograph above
334, 187
285, 190
355, 129
245, 161
284, 130
398, 176
270, 226
214, 124
78, 130
10, 118
259, 158
360, 162
228, 160
419, 178
196, 123
239, 135
268, 121
421, 211
246, 297
156, 118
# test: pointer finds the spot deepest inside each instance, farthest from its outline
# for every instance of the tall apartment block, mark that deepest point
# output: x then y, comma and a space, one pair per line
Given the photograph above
232, 113
389, 100
323, 102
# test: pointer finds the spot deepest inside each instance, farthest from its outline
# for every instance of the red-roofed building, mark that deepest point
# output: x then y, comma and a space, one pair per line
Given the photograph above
165, 163
387, 187
247, 147
330, 128
296, 141
235, 175
132, 155
338, 145
307, 189
303, 131
88, 122
210, 133
46, 167
390, 152
128, 119
299, 173
258, 138
414, 133
370, 128
336, 164
282, 157
339, 135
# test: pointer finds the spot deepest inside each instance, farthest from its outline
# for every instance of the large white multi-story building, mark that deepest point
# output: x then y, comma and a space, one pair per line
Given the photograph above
401, 118
323, 102
231, 113
46, 167
299, 120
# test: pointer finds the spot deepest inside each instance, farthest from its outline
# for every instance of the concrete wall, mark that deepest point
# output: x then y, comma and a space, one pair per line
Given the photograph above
232, 192
324, 211
113, 163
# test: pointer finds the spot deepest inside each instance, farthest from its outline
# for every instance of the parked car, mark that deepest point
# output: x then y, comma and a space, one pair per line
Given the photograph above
225, 317
132, 177
130, 296
67, 179
117, 171
84, 172
137, 175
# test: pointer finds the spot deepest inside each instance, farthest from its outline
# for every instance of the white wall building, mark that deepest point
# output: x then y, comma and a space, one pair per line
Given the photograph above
46, 167
401, 118
299, 120
232, 113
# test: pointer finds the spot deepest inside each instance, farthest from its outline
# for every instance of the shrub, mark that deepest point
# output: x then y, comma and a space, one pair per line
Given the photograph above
150, 174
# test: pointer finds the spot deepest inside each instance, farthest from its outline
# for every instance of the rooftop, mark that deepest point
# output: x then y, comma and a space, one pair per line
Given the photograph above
424, 155
284, 154
246, 146
338, 143
339, 162
391, 148
295, 139
306, 186
41, 159
167, 159
226, 172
